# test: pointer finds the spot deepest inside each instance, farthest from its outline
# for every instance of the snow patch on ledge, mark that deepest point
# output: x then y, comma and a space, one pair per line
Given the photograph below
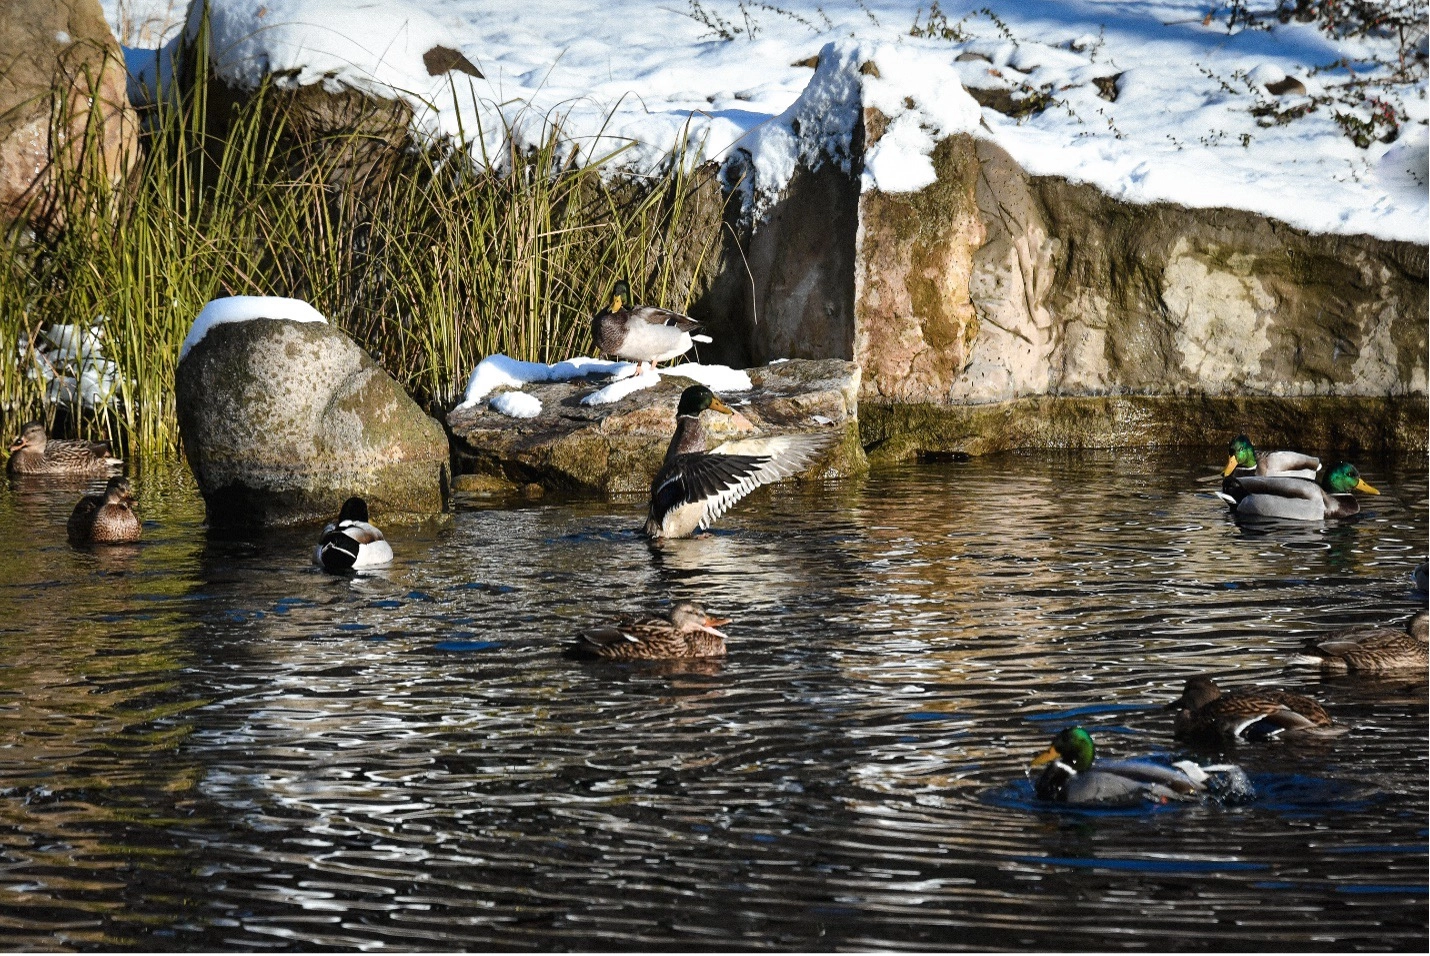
244, 308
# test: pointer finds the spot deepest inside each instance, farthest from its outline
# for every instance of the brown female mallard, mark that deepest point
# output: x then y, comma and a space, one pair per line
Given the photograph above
694, 487
687, 632
35, 453
1374, 650
105, 519
1253, 713
642, 333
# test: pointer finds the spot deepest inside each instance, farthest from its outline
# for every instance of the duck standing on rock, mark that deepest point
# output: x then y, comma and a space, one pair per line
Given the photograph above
35, 453
1244, 457
1375, 650
1070, 776
694, 487
642, 333
107, 518
350, 543
1256, 713
1297, 498
687, 632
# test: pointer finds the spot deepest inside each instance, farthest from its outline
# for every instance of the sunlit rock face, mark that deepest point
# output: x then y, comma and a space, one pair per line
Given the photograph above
282, 421
618, 447
62, 102
990, 286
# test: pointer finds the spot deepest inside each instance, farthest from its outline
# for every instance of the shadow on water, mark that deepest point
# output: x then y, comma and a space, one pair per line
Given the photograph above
210, 744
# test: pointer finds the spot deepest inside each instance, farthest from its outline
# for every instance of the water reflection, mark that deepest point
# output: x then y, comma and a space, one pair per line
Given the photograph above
210, 744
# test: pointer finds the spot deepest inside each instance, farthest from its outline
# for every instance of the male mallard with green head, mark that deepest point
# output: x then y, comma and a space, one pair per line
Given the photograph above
694, 487
1253, 713
105, 519
1069, 775
1375, 650
35, 453
1297, 498
1286, 464
642, 333
687, 632
351, 542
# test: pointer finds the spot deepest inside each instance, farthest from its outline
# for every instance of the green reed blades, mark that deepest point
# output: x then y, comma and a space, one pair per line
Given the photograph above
430, 260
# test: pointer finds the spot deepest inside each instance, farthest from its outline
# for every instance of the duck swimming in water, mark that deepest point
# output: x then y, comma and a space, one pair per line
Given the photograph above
1297, 498
350, 543
35, 453
687, 632
1071, 776
642, 333
1253, 713
1244, 458
106, 518
694, 487
1374, 650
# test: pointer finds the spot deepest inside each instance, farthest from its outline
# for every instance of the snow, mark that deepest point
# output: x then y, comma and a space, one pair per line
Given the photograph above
515, 404
501, 371
1192, 122
620, 388
70, 360
717, 378
244, 308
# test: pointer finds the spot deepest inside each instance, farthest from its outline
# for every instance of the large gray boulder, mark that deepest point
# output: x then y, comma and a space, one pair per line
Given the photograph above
619, 447
282, 421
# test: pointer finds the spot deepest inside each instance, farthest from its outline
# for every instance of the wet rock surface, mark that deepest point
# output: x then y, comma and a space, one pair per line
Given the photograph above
282, 421
618, 447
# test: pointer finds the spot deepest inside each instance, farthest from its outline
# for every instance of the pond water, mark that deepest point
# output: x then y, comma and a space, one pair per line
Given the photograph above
207, 744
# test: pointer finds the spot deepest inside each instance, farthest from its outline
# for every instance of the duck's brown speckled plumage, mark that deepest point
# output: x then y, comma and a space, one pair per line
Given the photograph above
1204, 710
35, 453
687, 632
106, 518
1376, 650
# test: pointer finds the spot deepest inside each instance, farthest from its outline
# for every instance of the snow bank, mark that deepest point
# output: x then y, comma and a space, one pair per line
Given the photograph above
1149, 102
243, 308
620, 388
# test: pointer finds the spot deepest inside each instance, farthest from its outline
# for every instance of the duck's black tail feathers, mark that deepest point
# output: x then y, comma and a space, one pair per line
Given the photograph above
337, 552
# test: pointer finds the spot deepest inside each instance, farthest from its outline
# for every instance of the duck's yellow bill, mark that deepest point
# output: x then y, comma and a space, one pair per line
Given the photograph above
1230, 467
718, 406
1364, 488
1047, 756
616, 303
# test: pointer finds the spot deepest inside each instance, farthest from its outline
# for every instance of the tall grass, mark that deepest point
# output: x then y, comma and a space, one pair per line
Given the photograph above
430, 260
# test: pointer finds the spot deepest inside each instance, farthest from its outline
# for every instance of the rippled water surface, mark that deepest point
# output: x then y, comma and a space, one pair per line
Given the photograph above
207, 744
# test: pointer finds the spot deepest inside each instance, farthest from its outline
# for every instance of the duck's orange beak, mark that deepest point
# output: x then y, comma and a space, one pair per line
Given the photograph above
1364, 488
716, 621
1047, 756
718, 406
1230, 466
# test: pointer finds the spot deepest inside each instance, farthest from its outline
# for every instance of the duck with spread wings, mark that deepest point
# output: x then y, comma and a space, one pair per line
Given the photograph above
694, 487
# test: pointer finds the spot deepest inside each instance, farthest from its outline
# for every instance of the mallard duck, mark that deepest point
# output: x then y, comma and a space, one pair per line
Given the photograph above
642, 333
694, 487
1286, 464
1374, 650
1253, 713
1297, 498
1069, 775
105, 519
687, 632
350, 543
35, 453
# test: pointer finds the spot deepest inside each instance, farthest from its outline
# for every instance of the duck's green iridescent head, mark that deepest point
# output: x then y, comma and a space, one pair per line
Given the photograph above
1344, 478
697, 398
620, 295
1242, 455
1073, 747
